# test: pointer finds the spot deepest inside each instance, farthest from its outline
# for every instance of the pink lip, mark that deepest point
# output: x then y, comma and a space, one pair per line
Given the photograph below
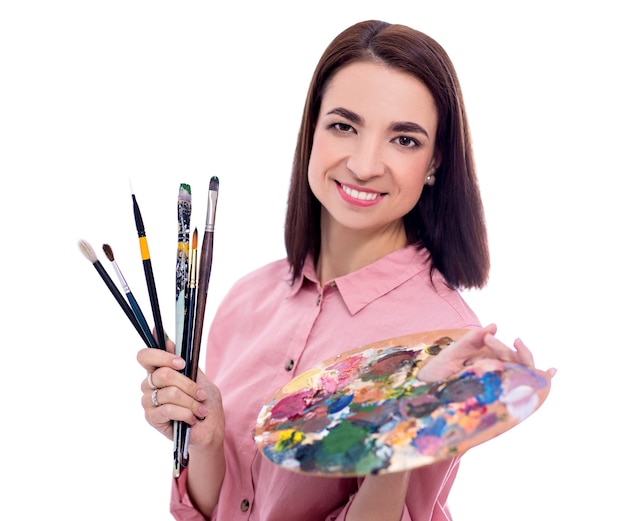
363, 203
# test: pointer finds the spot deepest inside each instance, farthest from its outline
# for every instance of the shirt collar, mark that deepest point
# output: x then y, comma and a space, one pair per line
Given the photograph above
363, 286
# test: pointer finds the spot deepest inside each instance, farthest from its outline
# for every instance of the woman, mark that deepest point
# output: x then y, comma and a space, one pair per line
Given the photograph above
384, 223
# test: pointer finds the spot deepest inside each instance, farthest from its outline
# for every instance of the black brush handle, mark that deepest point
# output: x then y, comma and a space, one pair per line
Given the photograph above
147, 268
120, 299
154, 303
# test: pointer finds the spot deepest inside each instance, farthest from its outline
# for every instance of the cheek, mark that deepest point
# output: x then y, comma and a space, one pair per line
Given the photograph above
417, 193
312, 170
315, 170
314, 178
412, 197
318, 151
412, 182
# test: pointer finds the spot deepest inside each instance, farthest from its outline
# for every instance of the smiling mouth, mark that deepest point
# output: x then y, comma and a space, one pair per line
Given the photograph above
361, 196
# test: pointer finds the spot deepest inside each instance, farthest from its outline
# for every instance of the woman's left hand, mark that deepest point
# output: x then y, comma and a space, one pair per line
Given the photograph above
479, 345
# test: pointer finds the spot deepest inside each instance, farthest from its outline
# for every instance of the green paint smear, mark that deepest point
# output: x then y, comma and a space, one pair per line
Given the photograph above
398, 392
344, 437
347, 447
369, 463
433, 350
418, 389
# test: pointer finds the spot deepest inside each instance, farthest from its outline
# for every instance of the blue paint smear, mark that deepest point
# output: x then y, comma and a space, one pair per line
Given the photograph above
339, 404
436, 428
492, 388
484, 390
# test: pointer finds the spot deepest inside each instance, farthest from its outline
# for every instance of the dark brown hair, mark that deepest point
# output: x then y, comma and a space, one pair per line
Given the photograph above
448, 219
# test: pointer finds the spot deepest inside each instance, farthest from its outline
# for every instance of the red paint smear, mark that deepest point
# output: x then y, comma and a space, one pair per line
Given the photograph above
293, 405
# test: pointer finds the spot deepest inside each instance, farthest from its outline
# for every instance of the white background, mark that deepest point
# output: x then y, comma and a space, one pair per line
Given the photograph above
94, 94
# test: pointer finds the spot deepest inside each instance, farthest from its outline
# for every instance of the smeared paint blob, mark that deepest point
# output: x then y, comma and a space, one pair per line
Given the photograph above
288, 439
420, 406
345, 446
292, 406
386, 366
336, 404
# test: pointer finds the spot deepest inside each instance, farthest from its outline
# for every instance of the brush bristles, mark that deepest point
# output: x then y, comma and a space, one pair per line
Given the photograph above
214, 184
88, 251
194, 240
108, 251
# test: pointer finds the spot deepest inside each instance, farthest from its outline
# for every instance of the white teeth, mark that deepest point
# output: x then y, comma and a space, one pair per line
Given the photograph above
355, 194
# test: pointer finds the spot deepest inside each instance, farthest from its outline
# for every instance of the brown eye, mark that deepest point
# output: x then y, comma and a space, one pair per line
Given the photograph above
342, 127
406, 141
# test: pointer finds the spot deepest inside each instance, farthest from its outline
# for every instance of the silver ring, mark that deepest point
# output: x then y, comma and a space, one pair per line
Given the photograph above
150, 384
155, 402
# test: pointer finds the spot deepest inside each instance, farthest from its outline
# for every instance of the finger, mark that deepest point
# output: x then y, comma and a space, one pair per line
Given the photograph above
161, 417
525, 356
470, 344
475, 339
150, 359
172, 404
501, 350
174, 388
170, 345
169, 377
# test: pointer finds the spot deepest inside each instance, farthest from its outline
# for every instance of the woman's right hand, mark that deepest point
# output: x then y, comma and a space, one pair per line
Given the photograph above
178, 397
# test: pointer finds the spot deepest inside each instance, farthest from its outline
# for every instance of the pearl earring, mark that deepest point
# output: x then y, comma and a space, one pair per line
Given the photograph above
430, 179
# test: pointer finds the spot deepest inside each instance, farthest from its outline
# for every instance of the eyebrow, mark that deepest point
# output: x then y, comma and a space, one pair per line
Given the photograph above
399, 126
409, 126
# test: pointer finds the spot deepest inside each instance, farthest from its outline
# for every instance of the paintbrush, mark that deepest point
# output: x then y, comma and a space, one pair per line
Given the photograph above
180, 458
206, 260
182, 285
147, 266
90, 254
108, 251
182, 260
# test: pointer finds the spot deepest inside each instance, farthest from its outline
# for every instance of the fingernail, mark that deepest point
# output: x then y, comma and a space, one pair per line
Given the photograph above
201, 394
178, 363
202, 412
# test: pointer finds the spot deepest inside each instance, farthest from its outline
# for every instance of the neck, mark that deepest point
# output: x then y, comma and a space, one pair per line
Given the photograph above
345, 251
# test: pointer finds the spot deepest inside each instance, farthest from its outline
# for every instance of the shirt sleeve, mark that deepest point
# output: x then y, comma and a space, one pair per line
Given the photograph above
181, 507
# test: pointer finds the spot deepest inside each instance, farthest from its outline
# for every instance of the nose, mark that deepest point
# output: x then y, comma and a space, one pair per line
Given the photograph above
366, 160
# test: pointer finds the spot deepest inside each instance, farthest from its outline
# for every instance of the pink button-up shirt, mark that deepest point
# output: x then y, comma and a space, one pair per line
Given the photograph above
266, 331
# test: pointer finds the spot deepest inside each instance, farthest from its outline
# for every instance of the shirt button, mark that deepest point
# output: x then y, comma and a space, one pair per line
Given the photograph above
245, 505
289, 365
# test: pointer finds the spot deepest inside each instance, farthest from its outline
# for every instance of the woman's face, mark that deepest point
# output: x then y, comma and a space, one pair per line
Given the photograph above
373, 146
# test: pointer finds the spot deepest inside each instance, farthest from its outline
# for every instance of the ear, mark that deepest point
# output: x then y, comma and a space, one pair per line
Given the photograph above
432, 168
435, 162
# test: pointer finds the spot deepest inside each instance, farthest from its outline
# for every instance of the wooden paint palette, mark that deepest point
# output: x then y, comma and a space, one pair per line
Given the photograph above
365, 412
